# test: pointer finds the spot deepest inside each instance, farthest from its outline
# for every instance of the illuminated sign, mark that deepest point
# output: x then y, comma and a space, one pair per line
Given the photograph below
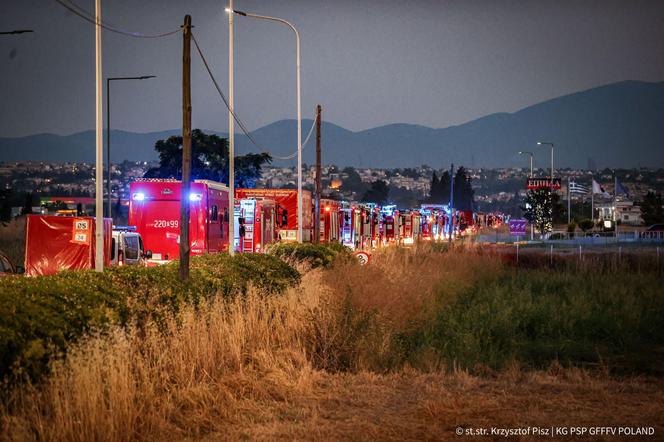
542, 183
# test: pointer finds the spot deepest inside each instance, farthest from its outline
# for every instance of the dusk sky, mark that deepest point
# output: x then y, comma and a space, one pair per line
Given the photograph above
368, 63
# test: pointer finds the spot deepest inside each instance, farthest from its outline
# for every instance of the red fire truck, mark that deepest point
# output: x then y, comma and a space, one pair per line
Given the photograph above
434, 220
389, 223
466, 222
329, 220
255, 222
286, 208
411, 225
154, 209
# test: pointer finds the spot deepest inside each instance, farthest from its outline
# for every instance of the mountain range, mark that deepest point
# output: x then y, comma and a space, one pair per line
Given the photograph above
616, 125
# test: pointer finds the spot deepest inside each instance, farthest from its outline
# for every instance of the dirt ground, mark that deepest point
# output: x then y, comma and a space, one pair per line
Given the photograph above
414, 406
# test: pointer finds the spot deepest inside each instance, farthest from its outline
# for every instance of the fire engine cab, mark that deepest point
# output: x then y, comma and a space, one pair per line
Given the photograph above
154, 208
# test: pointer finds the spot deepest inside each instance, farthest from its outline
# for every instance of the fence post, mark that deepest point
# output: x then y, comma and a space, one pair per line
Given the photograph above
517, 254
551, 256
580, 253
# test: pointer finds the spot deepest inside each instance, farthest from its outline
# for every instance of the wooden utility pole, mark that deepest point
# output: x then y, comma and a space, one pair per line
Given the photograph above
185, 246
318, 177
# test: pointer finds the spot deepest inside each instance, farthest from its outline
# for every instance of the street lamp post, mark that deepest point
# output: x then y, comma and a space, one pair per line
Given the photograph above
299, 109
108, 132
545, 143
531, 160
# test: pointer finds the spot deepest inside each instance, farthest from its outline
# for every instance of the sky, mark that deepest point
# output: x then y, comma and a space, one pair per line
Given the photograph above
367, 62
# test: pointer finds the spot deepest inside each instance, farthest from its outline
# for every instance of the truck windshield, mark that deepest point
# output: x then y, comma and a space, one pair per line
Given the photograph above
131, 247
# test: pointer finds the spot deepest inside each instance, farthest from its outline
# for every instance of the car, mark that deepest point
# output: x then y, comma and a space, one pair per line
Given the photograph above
656, 228
7, 267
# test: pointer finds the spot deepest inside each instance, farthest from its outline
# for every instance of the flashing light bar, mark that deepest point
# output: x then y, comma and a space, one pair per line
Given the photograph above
138, 196
195, 197
126, 228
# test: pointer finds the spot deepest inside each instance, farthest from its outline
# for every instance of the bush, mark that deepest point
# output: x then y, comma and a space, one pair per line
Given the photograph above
40, 316
586, 224
316, 255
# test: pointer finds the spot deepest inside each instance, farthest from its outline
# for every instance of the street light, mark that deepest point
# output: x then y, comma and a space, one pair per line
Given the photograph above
546, 143
108, 131
17, 31
523, 152
299, 109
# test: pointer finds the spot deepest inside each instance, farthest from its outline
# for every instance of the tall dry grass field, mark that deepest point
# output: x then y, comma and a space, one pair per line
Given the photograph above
12, 240
327, 360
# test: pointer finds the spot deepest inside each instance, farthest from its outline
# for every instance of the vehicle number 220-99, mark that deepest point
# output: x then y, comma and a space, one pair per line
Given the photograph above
164, 223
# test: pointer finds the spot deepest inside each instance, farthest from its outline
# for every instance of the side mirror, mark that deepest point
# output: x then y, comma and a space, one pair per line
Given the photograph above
147, 254
20, 270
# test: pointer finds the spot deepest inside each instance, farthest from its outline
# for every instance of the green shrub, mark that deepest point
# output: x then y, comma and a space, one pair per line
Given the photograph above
40, 316
586, 224
317, 255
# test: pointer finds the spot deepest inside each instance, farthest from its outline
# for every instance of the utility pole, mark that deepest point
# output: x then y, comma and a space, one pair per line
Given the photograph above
451, 202
318, 177
231, 135
99, 141
185, 245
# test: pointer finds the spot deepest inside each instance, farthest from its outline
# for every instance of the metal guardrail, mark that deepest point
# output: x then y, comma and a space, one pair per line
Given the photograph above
563, 237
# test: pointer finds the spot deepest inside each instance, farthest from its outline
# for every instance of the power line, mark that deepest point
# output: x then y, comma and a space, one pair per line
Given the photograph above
89, 17
235, 116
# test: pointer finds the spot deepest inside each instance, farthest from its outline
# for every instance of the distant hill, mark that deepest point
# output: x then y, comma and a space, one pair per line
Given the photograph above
620, 124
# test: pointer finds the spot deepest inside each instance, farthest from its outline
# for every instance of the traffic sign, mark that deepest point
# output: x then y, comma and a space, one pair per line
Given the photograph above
363, 257
518, 227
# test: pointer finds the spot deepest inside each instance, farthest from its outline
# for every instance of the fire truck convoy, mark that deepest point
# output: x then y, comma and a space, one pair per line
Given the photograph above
263, 216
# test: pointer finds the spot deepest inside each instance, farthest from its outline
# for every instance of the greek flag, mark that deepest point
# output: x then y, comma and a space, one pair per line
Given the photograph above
578, 188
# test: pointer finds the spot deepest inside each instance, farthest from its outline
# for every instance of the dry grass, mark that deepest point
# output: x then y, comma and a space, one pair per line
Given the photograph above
312, 364
402, 284
12, 240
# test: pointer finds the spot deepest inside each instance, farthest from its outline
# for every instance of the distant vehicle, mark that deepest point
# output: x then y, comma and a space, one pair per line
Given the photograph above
255, 222
655, 228
154, 208
7, 267
286, 205
127, 247
656, 231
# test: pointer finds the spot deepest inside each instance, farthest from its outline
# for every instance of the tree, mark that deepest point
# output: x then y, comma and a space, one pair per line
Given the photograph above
539, 209
353, 182
433, 188
209, 155
439, 192
27, 205
651, 209
463, 190
5, 205
377, 193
